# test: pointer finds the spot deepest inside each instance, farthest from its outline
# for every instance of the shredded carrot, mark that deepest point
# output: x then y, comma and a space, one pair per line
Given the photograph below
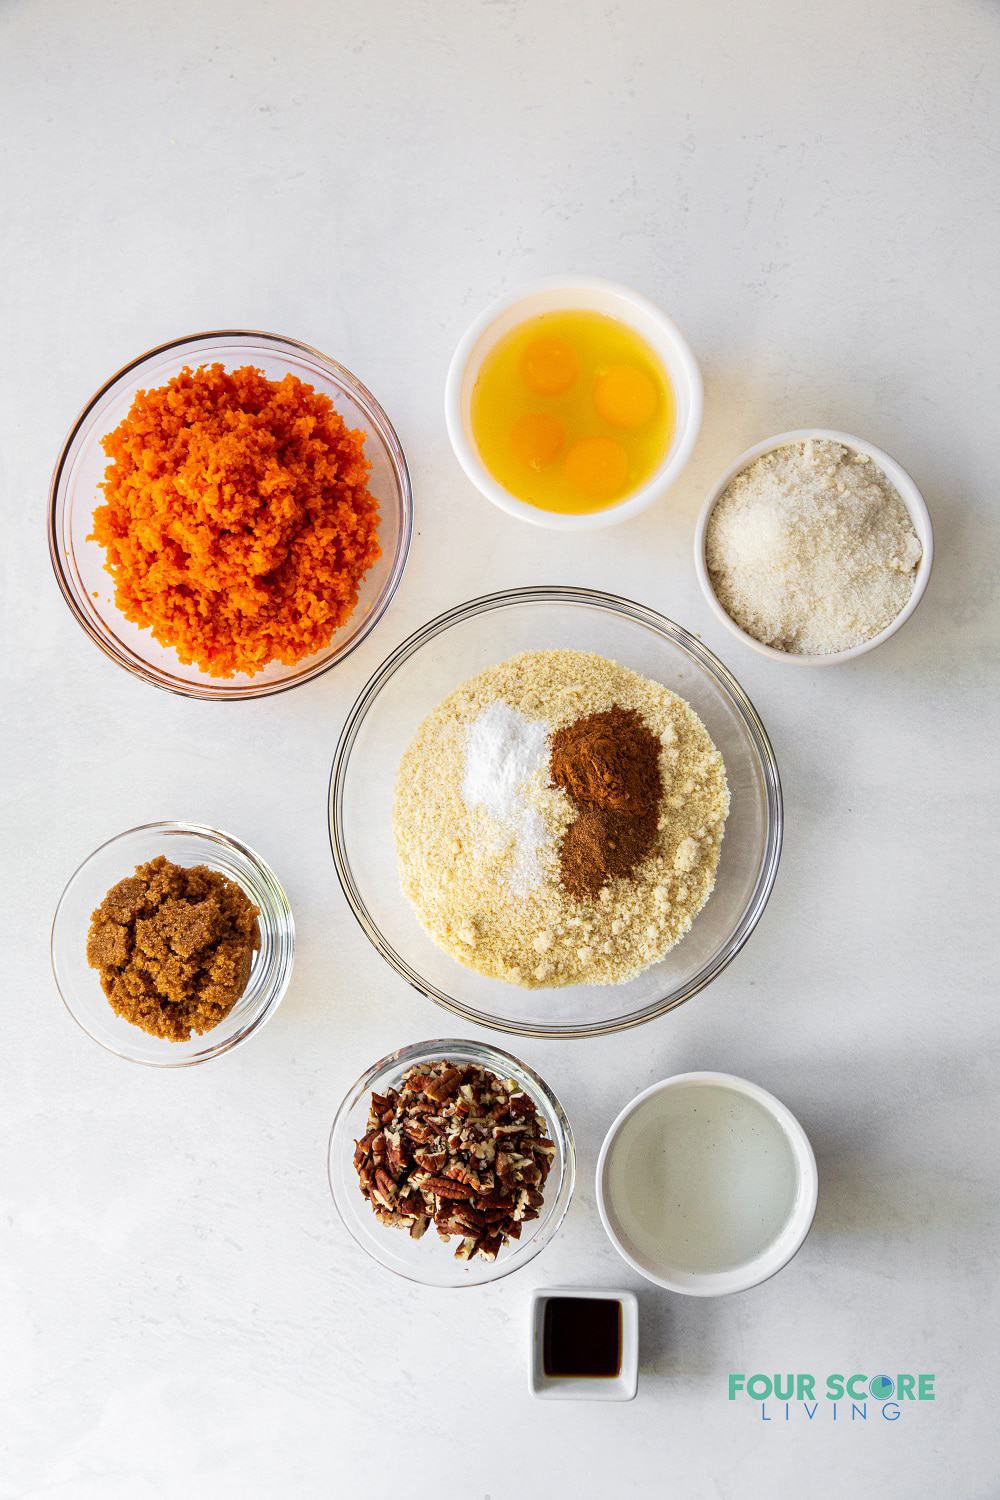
237, 519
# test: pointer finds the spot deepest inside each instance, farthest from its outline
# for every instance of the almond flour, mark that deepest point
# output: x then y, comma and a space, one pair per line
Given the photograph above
811, 550
459, 863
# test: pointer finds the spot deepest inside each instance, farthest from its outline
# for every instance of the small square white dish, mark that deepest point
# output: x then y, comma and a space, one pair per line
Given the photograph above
620, 1387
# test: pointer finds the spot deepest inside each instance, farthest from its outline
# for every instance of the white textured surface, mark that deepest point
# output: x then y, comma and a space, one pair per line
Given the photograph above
811, 191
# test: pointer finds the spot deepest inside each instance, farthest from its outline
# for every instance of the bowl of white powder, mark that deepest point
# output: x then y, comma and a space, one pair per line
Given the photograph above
814, 547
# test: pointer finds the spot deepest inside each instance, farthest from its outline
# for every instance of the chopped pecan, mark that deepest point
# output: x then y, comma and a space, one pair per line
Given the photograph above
431, 1161
443, 1085
477, 1218
385, 1183
395, 1154
468, 1178
495, 1205
457, 1146
447, 1187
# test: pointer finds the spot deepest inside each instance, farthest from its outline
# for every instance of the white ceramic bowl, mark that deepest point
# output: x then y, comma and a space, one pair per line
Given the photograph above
908, 493
620, 1387
592, 294
745, 1175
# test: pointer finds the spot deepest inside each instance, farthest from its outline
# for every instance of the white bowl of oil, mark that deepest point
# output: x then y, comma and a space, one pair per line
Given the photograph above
706, 1184
573, 403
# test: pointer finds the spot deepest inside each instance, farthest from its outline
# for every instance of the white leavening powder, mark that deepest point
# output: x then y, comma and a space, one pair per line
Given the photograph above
503, 750
811, 550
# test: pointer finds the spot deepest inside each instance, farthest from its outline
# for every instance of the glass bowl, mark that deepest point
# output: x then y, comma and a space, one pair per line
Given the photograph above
430, 1260
434, 661
184, 844
79, 563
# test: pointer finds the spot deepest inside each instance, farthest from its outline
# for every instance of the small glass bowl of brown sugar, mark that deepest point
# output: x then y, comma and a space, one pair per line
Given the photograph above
186, 845
428, 1257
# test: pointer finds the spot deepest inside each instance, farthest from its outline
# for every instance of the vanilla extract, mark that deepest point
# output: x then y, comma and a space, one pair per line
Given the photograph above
582, 1338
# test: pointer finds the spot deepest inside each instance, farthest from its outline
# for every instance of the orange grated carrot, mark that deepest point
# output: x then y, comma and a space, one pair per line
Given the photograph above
237, 520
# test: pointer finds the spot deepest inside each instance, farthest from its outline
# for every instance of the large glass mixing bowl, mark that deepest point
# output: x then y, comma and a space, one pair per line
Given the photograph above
431, 664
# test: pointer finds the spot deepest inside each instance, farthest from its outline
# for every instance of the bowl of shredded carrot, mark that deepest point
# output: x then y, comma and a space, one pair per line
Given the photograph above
230, 515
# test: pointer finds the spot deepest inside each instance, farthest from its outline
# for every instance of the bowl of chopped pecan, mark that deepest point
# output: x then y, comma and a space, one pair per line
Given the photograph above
451, 1163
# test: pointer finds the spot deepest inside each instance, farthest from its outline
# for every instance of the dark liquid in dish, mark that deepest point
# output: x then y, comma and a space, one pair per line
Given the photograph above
582, 1336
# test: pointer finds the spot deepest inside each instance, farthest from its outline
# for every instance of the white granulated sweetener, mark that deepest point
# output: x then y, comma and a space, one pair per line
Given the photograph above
503, 750
811, 550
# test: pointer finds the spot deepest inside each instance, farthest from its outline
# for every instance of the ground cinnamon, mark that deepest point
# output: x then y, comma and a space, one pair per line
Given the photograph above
609, 765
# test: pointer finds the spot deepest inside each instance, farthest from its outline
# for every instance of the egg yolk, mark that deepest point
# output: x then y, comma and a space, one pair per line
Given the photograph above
597, 467
549, 366
536, 438
625, 396
571, 411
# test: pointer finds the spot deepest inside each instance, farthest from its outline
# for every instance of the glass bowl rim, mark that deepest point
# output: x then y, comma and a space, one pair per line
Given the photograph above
495, 1059
676, 635
278, 989
209, 689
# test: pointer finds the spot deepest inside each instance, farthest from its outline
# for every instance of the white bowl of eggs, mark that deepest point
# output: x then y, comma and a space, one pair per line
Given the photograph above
573, 403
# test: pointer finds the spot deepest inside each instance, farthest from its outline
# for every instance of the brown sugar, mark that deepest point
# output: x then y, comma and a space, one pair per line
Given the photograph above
173, 946
609, 765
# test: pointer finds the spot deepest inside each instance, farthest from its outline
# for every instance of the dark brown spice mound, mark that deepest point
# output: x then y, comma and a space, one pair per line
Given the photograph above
458, 1145
609, 765
173, 946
